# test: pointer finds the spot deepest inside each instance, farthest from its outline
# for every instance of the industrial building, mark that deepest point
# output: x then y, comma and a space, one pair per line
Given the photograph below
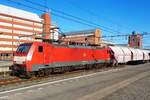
92, 36
135, 40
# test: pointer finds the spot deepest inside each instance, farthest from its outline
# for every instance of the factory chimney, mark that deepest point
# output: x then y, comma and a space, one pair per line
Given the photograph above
46, 26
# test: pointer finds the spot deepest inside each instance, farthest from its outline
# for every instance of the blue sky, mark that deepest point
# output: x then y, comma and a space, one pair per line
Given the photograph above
120, 15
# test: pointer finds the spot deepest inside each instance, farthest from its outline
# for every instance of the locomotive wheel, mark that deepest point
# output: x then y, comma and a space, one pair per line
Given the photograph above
89, 66
67, 69
47, 72
29, 75
41, 73
96, 66
62, 70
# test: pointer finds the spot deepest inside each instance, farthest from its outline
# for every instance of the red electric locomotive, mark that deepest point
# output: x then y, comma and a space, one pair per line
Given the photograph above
43, 58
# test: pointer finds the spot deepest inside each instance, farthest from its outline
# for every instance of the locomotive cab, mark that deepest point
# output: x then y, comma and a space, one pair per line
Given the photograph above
19, 60
21, 53
30, 57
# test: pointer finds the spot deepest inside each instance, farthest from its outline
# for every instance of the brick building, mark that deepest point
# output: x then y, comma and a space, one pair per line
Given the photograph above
85, 36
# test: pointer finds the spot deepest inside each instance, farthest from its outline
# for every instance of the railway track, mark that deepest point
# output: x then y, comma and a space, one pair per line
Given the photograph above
8, 81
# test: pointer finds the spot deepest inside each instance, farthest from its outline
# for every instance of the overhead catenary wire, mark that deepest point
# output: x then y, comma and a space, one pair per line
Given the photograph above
125, 35
55, 14
58, 15
78, 18
88, 11
74, 17
92, 13
19, 3
61, 14
78, 21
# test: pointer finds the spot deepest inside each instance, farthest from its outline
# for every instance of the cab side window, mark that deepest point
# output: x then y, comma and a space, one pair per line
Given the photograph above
40, 49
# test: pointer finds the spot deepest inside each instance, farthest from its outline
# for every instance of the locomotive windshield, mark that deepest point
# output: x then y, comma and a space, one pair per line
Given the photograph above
24, 47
